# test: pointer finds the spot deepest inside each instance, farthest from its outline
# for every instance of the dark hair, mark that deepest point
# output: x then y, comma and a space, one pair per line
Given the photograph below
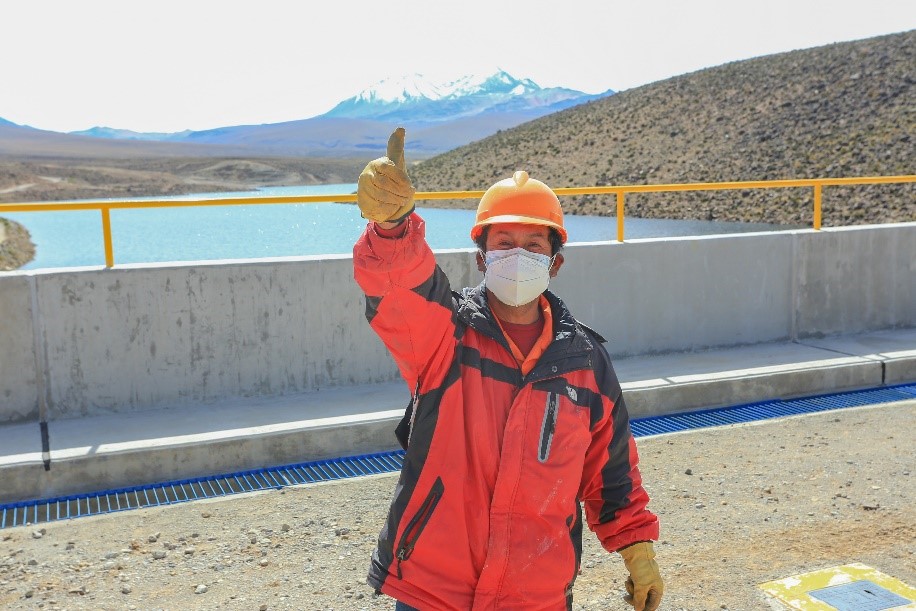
556, 242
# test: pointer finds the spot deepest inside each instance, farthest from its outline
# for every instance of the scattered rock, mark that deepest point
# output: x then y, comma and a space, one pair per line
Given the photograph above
324, 565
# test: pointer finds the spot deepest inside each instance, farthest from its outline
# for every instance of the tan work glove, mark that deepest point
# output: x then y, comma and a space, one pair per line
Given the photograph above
644, 585
384, 191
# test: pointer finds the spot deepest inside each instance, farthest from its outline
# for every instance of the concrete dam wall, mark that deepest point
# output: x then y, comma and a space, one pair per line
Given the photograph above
88, 341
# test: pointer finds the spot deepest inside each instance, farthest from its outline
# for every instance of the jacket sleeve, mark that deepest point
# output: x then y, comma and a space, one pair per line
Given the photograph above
615, 501
408, 301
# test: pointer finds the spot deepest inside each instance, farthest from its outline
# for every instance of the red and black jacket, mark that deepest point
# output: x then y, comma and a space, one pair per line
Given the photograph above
486, 512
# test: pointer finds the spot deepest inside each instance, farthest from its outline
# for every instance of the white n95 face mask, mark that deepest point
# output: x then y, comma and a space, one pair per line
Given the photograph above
516, 276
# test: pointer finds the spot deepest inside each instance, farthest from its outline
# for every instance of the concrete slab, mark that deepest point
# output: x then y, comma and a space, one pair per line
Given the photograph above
126, 449
121, 450
850, 587
21, 444
20, 382
896, 348
669, 383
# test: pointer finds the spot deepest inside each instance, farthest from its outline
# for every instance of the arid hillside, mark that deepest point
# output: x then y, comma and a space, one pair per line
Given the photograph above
842, 110
16, 248
27, 179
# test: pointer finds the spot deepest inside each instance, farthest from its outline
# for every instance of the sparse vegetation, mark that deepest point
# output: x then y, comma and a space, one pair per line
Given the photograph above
65, 178
16, 248
841, 110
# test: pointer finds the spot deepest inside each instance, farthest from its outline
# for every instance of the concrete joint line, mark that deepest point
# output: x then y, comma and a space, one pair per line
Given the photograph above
793, 288
41, 370
45, 445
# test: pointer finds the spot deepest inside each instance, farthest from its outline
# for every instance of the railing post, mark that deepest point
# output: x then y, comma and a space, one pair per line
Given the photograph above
620, 216
817, 206
106, 235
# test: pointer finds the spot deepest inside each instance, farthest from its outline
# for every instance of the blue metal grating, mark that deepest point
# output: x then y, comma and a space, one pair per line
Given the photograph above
763, 410
180, 491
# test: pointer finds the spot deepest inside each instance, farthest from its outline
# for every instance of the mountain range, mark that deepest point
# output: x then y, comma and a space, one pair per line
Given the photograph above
840, 110
440, 115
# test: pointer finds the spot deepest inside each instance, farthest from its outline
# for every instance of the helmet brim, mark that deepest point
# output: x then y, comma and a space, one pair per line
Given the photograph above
477, 229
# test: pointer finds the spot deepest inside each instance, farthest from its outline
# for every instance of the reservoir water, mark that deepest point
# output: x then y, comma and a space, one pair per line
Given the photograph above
74, 239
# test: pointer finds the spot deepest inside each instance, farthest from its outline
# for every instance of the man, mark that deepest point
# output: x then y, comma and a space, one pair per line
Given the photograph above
516, 415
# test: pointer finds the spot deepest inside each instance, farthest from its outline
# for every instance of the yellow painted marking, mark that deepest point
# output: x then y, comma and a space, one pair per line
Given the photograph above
793, 591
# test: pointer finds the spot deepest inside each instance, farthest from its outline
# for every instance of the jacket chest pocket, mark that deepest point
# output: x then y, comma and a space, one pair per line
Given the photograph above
549, 426
563, 421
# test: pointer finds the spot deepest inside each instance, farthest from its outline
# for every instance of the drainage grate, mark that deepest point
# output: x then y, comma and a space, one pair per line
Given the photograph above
180, 491
751, 412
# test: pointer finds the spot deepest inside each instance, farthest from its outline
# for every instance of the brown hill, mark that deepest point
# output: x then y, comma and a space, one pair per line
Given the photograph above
38, 165
841, 110
16, 248
54, 179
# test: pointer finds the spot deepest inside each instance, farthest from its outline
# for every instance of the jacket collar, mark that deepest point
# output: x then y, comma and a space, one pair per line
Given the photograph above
570, 339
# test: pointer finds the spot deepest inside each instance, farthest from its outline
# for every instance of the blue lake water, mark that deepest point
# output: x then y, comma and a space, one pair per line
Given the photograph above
72, 239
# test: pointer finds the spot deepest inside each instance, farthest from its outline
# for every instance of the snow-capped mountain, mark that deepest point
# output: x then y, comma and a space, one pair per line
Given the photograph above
440, 116
417, 98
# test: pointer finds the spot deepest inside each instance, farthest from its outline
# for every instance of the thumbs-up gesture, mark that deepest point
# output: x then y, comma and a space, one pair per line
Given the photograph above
384, 191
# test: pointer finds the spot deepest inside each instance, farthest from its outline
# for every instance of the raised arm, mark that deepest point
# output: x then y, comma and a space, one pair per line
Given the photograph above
408, 298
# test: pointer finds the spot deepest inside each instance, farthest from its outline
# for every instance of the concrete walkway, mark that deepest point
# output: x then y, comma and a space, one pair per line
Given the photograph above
120, 450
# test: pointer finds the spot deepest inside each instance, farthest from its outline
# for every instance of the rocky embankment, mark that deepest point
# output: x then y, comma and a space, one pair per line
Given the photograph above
16, 248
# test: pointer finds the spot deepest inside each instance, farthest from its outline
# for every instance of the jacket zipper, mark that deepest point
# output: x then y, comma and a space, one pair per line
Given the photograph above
548, 427
418, 523
415, 400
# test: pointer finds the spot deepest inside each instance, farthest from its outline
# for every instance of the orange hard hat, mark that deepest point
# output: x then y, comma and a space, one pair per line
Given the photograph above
519, 200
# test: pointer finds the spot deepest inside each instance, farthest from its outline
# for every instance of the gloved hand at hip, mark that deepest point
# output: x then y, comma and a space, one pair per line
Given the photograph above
644, 585
384, 191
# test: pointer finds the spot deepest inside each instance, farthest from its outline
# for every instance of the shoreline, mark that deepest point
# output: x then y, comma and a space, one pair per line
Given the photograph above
16, 247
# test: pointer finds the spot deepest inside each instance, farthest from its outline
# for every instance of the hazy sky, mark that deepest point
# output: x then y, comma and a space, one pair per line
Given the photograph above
171, 65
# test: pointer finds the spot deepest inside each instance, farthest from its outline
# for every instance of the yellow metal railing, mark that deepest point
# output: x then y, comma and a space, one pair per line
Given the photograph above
620, 191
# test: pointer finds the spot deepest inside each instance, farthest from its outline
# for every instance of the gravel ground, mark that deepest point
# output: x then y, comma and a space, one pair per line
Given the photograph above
739, 506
